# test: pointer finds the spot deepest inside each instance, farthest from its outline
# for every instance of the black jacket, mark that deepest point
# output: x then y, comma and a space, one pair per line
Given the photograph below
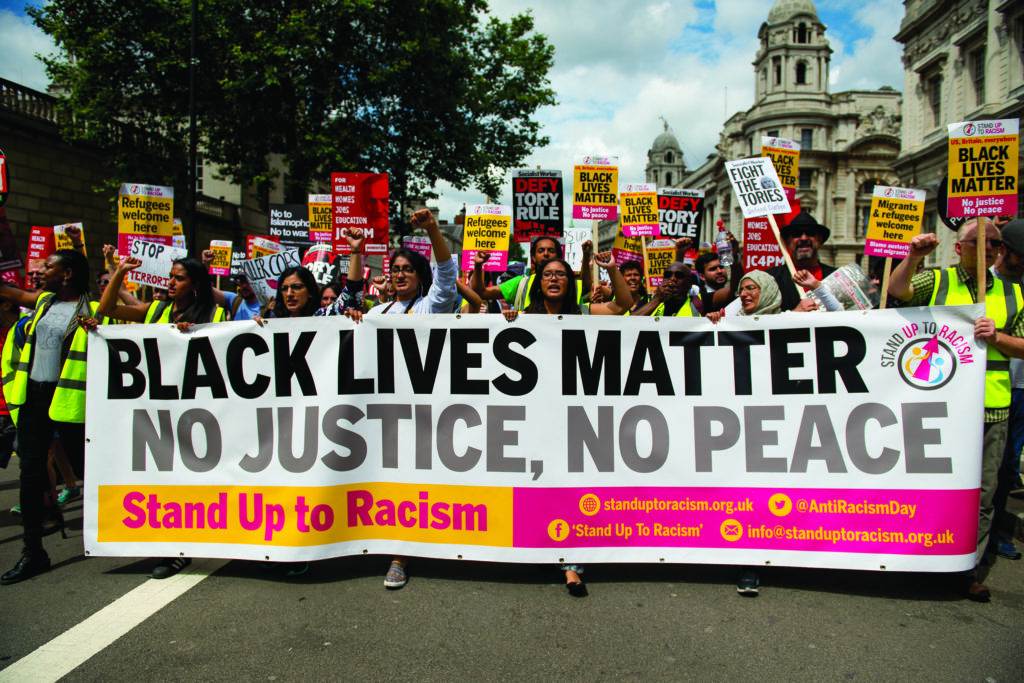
790, 292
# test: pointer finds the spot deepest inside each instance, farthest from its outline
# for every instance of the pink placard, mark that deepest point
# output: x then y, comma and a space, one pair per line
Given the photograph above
497, 261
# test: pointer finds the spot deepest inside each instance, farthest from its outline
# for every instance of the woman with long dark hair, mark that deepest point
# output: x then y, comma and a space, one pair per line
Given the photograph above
189, 297
553, 292
48, 389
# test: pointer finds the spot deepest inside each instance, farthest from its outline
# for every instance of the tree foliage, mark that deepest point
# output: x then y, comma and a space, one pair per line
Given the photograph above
425, 90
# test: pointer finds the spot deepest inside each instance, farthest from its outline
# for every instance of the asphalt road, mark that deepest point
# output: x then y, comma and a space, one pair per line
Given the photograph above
479, 621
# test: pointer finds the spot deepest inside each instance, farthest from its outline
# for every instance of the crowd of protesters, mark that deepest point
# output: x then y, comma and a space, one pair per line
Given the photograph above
44, 344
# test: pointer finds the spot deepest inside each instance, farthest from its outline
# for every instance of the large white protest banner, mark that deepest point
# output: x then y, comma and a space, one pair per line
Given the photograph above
156, 259
263, 272
824, 440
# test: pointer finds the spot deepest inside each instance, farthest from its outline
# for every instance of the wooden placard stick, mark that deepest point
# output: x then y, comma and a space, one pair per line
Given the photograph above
886, 271
595, 274
647, 265
982, 272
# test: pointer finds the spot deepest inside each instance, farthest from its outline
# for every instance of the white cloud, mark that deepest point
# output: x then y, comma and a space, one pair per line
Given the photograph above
21, 40
875, 60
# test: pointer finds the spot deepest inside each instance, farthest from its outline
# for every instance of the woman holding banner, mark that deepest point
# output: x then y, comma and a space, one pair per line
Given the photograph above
48, 389
416, 291
553, 292
189, 297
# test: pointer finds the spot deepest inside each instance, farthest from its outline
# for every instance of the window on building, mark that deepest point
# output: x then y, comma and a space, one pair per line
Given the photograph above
772, 133
801, 73
199, 174
668, 179
805, 178
777, 69
654, 174
806, 138
977, 66
668, 157
802, 34
867, 187
933, 89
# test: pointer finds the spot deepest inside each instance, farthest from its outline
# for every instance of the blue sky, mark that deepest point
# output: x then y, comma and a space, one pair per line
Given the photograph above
620, 64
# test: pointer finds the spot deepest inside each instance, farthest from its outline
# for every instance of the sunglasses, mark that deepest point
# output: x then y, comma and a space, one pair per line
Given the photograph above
677, 274
994, 243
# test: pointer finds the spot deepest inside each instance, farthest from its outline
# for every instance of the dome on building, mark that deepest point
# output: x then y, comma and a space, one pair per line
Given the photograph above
783, 10
665, 141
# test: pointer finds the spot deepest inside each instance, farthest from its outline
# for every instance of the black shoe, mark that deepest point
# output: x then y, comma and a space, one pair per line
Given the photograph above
28, 566
54, 522
748, 584
169, 567
577, 589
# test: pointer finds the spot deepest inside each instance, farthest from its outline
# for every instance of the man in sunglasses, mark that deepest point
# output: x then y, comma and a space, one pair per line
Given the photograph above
674, 297
1002, 330
803, 237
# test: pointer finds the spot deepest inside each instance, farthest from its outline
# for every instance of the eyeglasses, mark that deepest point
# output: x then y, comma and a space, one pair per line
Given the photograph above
993, 243
677, 274
292, 288
554, 275
408, 270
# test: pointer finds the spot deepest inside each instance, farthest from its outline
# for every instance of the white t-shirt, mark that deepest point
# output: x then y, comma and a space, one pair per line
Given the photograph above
50, 332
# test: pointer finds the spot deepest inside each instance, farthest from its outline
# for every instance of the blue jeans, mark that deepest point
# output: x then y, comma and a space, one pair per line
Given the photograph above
1009, 471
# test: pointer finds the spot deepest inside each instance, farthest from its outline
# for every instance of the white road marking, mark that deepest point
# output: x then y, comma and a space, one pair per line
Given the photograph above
63, 654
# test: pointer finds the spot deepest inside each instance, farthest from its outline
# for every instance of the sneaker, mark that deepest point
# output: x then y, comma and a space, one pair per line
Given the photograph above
748, 584
28, 565
170, 566
67, 495
1008, 550
16, 510
396, 577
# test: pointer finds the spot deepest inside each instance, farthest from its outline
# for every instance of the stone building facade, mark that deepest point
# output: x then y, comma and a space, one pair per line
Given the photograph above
849, 139
963, 60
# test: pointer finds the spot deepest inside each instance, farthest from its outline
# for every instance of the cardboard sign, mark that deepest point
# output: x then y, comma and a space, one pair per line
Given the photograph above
983, 161
638, 210
573, 246
319, 260
258, 245
536, 204
144, 211
262, 272
62, 240
178, 236
757, 187
488, 228
360, 200
221, 257
289, 223
595, 184
157, 259
421, 245
319, 212
896, 215
785, 156
40, 246
760, 250
680, 212
660, 255
626, 249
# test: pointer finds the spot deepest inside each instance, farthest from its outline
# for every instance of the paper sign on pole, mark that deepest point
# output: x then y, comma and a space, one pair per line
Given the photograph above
757, 187
421, 245
320, 218
573, 247
258, 245
660, 255
983, 165
289, 223
536, 204
221, 265
360, 200
144, 211
178, 236
626, 249
62, 240
896, 216
595, 184
40, 247
679, 212
488, 228
262, 272
638, 210
785, 156
760, 250
157, 259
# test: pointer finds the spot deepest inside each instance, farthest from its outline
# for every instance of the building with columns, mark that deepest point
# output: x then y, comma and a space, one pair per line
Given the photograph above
665, 163
963, 60
849, 139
